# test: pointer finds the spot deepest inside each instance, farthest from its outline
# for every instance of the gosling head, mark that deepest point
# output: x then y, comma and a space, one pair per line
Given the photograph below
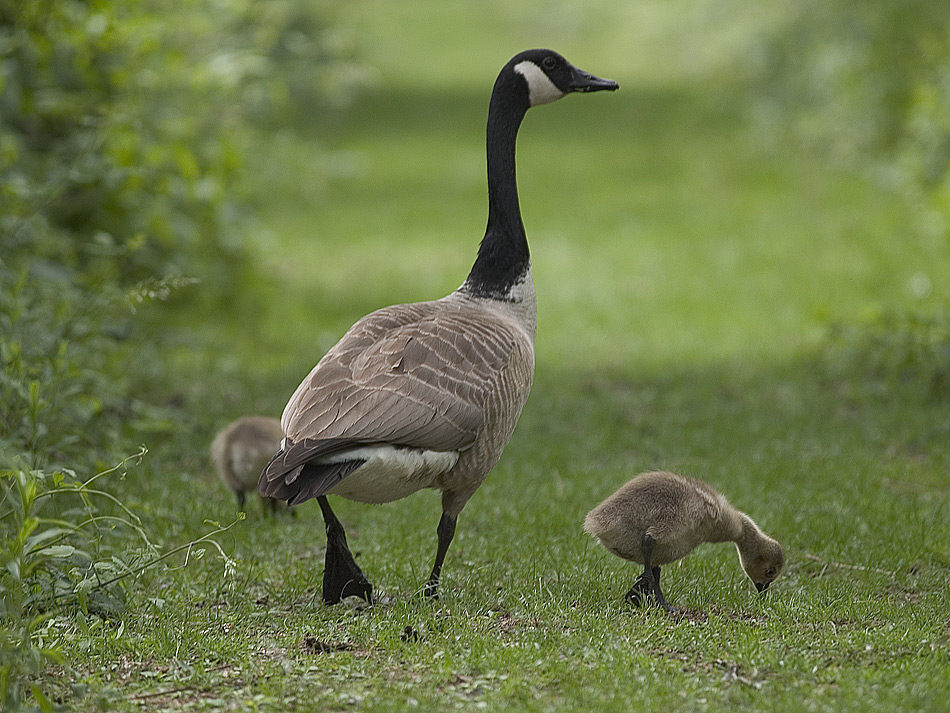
549, 76
763, 560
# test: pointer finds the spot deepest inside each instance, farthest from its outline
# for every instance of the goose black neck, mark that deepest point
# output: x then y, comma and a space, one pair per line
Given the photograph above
503, 257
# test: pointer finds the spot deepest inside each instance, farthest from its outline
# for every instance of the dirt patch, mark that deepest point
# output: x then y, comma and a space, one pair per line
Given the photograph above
732, 672
507, 623
743, 617
693, 616
312, 645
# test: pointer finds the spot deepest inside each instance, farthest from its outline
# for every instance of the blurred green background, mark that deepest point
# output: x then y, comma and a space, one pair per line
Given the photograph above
742, 261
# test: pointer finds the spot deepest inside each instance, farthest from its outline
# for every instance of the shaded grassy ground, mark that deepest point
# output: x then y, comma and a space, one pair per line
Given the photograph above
687, 272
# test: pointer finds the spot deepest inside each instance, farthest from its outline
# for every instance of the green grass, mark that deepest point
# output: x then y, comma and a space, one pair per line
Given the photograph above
687, 271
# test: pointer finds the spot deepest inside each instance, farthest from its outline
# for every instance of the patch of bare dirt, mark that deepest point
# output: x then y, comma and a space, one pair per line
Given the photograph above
314, 646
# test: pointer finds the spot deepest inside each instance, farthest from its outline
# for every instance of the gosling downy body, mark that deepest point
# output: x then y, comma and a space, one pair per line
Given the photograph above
241, 450
658, 517
427, 395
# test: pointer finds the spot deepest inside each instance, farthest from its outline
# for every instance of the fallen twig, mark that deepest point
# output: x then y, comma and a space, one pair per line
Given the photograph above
169, 692
842, 565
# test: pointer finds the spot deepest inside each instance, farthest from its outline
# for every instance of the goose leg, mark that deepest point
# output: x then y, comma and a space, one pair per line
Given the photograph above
652, 574
446, 531
241, 498
341, 575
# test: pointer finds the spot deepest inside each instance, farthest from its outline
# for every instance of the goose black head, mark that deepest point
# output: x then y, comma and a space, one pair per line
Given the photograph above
549, 76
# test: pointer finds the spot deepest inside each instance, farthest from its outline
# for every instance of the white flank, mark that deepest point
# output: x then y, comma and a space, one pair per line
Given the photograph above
541, 90
390, 473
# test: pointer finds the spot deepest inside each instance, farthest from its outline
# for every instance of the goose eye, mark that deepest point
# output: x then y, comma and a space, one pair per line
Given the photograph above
770, 572
549, 62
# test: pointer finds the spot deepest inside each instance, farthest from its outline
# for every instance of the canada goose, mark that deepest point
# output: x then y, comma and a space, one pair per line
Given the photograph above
427, 395
656, 518
241, 450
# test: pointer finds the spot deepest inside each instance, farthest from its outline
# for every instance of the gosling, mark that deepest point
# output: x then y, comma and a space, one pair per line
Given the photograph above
240, 452
657, 518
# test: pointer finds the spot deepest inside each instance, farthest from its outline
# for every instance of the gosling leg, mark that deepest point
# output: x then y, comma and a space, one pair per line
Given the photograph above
269, 507
653, 574
341, 575
446, 532
639, 590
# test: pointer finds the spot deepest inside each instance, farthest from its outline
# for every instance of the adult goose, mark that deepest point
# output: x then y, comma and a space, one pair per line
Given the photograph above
426, 395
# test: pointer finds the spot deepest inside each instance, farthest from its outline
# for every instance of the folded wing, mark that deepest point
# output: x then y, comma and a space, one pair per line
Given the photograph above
416, 376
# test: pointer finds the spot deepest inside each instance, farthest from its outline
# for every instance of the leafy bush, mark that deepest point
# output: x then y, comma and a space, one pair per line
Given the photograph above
897, 350
121, 135
107, 174
67, 543
869, 82
47, 556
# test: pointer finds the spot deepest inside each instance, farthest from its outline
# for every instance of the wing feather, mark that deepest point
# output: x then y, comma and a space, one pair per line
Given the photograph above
416, 375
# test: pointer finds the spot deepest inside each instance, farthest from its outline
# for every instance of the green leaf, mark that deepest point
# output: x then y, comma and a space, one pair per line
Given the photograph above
58, 551
45, 705
34, 542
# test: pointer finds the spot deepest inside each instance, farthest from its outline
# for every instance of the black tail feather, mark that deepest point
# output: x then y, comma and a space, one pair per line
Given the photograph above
295, 474
301, 481
316, 479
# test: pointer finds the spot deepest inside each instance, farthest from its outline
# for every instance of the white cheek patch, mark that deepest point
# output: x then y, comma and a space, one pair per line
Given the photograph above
541, 90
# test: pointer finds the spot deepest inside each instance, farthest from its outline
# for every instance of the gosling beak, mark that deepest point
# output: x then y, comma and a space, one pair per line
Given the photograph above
761, 586
582, 81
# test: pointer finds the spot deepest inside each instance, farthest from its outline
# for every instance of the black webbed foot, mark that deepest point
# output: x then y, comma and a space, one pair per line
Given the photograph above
431, 589
341, 576
661, 600
639, 591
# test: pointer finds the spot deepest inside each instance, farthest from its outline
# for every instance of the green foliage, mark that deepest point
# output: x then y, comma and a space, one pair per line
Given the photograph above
58, 401
897, 350
121, 136
107, 169
51, 550
67, 545
287, 63
868, 81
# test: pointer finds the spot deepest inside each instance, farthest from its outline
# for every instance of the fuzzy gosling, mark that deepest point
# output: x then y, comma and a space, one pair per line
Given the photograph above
658, 517
240, 452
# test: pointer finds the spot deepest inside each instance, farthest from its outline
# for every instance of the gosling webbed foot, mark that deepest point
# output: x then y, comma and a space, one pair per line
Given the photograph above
639, 590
